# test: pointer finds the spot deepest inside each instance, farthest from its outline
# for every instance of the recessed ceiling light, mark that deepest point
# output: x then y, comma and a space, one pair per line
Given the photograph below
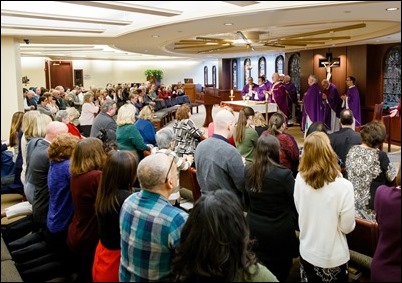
392, 9
228, 24
155, 36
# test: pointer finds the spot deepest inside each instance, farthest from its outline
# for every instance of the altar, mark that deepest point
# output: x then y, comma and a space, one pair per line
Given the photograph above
258, 106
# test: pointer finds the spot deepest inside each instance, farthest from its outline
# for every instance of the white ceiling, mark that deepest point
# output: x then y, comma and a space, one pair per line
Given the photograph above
148, 30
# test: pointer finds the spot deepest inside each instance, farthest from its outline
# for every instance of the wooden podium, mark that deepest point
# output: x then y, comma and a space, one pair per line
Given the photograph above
192, 90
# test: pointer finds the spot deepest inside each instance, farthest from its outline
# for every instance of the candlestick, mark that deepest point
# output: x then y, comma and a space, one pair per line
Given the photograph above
231, 95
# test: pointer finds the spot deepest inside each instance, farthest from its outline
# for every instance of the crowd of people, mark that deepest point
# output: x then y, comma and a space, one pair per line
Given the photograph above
104, 191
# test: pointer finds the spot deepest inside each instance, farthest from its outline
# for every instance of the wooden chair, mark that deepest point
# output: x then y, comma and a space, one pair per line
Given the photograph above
378, 109
364, 238
188, 180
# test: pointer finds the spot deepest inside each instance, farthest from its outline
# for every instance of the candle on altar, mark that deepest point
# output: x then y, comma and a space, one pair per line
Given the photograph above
231, 92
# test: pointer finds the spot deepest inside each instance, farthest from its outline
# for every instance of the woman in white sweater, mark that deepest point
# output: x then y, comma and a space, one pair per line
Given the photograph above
325, 203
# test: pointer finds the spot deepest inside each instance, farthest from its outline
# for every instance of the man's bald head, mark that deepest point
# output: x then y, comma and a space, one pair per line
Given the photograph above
54, 129
222, 120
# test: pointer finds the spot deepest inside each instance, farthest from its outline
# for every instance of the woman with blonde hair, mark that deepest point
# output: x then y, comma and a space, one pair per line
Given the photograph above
187, 135
145, 126
325, 203
88, 112
28, 122
36, 130
245, 135
259, 123
127, 135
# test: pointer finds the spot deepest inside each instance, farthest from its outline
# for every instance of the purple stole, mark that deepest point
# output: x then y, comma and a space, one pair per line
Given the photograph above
280, 97
334, 103
353, 102
313, 105
246, 90
260, 91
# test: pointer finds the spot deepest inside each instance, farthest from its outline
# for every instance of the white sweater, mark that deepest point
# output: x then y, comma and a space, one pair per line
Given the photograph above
326, 215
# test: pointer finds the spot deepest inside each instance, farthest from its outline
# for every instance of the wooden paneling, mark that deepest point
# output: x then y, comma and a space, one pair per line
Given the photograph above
306, 69
225, 73
193, 91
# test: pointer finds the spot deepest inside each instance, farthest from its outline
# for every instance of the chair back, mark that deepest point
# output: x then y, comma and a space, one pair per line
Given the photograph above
188, 180
364, 238
378, 108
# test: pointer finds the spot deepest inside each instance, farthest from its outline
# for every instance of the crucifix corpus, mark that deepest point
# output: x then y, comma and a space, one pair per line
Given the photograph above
328, 63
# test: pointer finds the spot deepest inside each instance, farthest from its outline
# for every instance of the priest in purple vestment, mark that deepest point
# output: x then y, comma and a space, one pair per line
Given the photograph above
291, 91
351, 100
250, 89
277, 94
313, 105
262, 88
333, 103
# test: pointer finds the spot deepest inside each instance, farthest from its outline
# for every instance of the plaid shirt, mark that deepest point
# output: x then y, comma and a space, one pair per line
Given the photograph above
150, 229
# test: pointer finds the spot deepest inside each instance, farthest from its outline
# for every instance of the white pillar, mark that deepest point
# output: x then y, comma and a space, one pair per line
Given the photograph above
11, 83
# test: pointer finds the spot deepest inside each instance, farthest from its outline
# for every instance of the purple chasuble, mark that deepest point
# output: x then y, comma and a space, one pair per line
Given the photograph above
313, 105
334, 103
292, 95
280, 97
246, 90
353, 99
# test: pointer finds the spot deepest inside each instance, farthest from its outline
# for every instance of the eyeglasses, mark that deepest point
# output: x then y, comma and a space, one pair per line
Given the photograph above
170, 167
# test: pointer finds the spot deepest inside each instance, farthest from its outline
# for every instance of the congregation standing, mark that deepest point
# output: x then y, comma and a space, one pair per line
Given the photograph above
118, 228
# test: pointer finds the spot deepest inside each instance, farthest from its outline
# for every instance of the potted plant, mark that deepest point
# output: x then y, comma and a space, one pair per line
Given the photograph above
153, 75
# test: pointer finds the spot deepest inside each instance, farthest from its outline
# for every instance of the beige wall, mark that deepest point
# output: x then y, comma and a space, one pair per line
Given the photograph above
99, 72
11, 83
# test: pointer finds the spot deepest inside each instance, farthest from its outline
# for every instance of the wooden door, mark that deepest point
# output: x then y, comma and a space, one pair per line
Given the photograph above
61, 73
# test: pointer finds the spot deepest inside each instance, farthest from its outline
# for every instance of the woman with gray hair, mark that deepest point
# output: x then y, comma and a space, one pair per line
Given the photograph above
66, 117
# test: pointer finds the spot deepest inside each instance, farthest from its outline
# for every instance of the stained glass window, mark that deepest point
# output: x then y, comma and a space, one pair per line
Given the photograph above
392, 77
262, 67
294, 70
279, 61
234, 73
214, 75
247, 69
205, 75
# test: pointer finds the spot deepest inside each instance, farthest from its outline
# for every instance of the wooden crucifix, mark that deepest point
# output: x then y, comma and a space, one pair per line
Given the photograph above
328, 63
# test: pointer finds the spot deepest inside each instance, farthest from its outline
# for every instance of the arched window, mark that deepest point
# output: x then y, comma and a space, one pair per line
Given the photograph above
279, 61
294, 70
247, 69
234, 73
262, 67
214, 76
205, 75
392, 76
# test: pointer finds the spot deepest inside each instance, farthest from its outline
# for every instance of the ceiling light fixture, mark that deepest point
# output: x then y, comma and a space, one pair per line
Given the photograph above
228, 24
392, 9
155, 36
